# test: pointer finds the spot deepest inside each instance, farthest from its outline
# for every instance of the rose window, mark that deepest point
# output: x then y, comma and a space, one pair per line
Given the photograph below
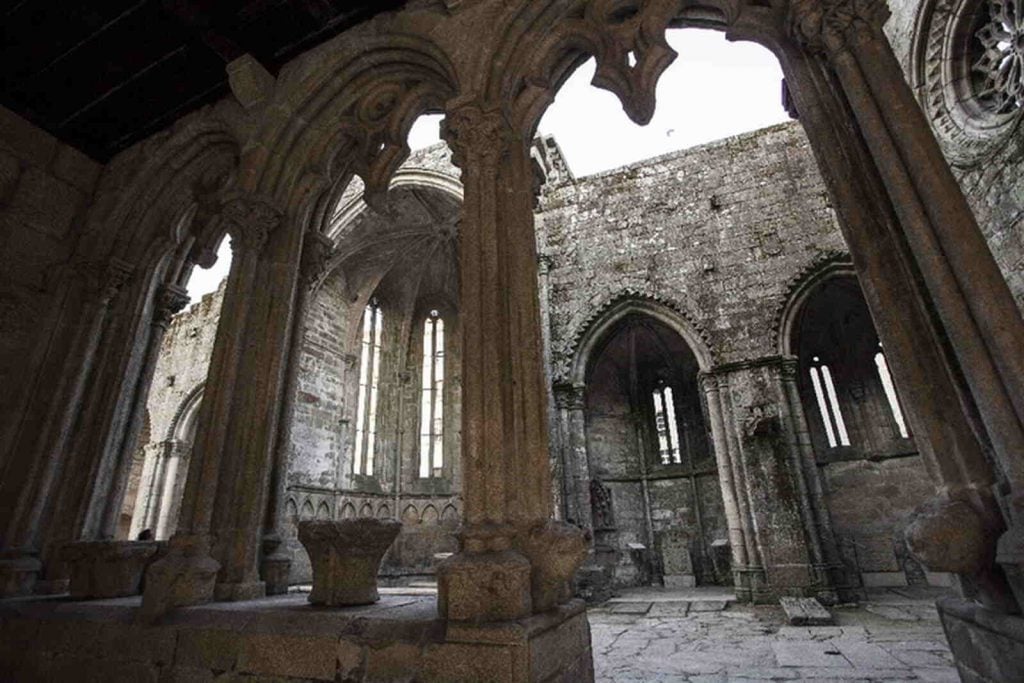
999, 66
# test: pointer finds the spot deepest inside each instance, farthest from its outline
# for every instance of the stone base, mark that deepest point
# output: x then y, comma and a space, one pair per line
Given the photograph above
234, 592
18, 573
680, 580
883, 579
346, 557
987, 646
186, 575
484, 587
286, 639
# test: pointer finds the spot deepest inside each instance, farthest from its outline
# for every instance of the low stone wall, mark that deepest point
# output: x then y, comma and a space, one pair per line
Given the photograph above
285, 638
988, 646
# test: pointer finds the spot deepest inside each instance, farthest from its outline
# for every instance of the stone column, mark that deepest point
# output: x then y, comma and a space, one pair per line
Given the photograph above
514, 559
222, 512
276, 561
928, 276
105, 509
27, 488
572, 426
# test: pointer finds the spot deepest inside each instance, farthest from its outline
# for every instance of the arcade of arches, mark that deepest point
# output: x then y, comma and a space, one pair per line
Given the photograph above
787, 363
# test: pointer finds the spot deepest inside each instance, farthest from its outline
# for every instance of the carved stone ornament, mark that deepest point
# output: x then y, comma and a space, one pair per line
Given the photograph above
250, 221
170, 300
476, 135
570, 396
832, 25
967, 69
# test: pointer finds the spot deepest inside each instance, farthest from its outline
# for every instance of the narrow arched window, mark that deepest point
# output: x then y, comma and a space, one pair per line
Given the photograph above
666, 426
369, 376
432, 399
828, 404
890, 393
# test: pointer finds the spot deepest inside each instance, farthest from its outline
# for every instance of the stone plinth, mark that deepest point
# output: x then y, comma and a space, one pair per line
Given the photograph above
346, 556
107, 569
987, 645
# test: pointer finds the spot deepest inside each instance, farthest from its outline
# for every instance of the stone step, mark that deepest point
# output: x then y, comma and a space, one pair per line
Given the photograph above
805, 612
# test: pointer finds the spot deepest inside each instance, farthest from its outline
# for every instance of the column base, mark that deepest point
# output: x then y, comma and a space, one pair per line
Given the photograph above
275, 567
19, 570
484, 587
555, 551
242, 590
107, 569
185, 576
987, 645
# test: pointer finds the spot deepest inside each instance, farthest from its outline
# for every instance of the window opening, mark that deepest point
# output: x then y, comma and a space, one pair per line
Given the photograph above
369, 376
999, 57
666, 426
828, 404
890, 393
432, 400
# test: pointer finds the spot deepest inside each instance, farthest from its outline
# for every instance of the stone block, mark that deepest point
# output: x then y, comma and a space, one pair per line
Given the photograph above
493, 586
883, 579
290, 656
393, 662
18, 572
186, 674
208, 649
132, 642
44, 203
631, 607
553, 648
27, 141
107, 569
10, 169
465, 662
986, 645
805, 612
346, 557
76, 168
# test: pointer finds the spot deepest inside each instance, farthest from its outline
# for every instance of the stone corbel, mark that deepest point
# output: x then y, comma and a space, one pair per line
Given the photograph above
316, 254
170, 300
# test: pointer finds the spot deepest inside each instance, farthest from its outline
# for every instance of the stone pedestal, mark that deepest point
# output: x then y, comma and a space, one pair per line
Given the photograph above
107, 569
987, 645
346, 556
18, 573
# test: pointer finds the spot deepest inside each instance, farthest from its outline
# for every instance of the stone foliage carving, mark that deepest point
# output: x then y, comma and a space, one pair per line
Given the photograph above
832, 25
601, 504
316, 254
170, 299
250, 222
473, 133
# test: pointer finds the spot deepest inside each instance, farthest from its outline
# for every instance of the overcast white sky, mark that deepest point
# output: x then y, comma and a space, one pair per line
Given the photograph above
713, 90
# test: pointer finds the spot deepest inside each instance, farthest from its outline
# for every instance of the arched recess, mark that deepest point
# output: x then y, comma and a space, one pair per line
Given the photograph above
153, 215
612, 313
165, 470
655, 497
872, 475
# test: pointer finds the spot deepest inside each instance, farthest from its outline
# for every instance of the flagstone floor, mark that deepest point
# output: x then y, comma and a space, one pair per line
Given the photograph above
655, 637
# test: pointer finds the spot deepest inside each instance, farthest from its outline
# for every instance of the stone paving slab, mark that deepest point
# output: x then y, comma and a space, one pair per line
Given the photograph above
708, 606
805, 611
631, 608
754, 643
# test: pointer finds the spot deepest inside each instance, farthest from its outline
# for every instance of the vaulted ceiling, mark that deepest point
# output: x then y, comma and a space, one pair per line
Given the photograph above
103, 75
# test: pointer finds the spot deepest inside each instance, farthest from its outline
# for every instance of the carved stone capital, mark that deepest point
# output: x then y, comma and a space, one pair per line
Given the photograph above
170, 299
316, 251
570, 396
832, 25
250, 221
102, 280
477, 136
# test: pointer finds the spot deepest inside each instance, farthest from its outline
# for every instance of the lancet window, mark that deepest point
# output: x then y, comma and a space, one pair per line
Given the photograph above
369, 381
432, 398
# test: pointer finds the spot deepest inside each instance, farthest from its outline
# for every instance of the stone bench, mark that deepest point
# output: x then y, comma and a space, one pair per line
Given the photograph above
346, 557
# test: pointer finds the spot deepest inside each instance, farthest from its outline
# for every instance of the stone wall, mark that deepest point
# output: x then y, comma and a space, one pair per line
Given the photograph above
177, 382
45, 190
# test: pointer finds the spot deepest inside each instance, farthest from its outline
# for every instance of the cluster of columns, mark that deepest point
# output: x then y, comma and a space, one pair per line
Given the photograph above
943, 311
